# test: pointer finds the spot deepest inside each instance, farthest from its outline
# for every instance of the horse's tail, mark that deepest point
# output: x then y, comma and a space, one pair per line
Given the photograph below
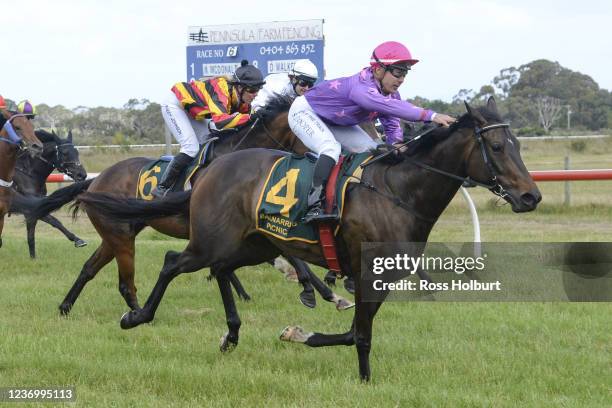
124, 208
23, 204
39, 207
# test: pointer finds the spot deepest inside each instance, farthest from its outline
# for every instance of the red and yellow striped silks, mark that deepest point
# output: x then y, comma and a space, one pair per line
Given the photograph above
214, 99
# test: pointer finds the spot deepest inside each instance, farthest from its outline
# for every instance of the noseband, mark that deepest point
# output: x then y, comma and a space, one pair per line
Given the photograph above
13, 138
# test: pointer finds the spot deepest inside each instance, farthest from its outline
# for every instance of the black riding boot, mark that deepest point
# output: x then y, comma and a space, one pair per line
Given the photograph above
316, 197
174, 169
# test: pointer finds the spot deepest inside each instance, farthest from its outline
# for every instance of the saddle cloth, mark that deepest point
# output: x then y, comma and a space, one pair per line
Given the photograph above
283, 200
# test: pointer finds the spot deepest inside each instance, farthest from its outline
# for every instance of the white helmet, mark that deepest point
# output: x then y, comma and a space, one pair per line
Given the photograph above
305, 68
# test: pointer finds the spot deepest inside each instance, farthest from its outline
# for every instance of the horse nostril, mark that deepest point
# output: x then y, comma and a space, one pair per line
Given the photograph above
529, 200
539, 197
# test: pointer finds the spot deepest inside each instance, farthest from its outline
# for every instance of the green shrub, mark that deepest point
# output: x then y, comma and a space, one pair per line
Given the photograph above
530, 131
578, 146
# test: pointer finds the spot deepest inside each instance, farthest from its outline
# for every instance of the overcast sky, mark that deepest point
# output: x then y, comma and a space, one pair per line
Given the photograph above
102, 53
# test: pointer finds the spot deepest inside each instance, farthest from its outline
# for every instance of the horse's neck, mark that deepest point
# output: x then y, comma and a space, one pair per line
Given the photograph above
36, 167
259, 137
435, 191
8, 157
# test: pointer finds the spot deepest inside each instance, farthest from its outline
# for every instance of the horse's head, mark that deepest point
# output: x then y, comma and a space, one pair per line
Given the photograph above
66, 158
495, 159
19, 131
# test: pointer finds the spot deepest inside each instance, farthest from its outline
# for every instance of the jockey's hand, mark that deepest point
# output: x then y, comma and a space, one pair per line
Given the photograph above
443, 119
259, 114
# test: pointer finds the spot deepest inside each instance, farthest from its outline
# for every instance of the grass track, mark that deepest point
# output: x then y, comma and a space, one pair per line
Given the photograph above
423, 355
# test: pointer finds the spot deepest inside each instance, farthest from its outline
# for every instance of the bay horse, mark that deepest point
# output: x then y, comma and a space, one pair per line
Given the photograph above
31, 177
16, 133
118, 236
393, 202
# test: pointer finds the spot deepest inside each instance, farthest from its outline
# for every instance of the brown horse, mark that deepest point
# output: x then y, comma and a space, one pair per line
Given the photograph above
16, 133
118, 236
400, 203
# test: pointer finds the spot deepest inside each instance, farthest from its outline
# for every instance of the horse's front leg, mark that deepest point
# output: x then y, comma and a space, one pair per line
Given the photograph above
175, 263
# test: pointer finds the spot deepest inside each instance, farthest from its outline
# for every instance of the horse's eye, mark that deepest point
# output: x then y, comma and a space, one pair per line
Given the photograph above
497, 147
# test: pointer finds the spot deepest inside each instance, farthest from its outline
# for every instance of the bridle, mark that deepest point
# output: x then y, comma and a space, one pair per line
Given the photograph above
12, 137
494, 185
64, 166
56, 161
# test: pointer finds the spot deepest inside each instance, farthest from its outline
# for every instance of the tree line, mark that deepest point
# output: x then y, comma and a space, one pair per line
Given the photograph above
534, 98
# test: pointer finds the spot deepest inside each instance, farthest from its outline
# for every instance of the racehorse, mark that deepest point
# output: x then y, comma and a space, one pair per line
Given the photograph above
118, 236
16, 133
31, 176
393, 202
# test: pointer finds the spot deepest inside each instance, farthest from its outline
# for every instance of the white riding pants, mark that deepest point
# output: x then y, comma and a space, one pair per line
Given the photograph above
188, 132
323, 138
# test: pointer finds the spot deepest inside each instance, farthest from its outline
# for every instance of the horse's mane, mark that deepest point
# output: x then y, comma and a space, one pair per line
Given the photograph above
47, 137
276, 105
465, 121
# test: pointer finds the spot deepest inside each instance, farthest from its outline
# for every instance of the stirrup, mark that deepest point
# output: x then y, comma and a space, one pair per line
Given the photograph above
160, 191
317, 214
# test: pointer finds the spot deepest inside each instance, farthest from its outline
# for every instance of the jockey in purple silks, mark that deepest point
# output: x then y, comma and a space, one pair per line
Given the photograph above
325, 119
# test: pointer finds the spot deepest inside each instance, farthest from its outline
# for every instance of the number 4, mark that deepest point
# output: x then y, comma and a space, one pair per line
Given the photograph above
289, 200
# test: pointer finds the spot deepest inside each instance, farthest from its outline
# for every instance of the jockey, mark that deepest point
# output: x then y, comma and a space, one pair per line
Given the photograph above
326, 117
27, 108
196, 107
301, 78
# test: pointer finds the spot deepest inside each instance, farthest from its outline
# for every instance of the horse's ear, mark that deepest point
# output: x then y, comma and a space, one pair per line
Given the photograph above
491, 104
69, 138
475, 114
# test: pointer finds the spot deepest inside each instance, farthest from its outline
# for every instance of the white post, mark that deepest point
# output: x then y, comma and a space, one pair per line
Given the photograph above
475, 222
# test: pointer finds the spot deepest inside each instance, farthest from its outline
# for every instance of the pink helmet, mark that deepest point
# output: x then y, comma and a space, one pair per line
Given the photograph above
390, 53
2, 103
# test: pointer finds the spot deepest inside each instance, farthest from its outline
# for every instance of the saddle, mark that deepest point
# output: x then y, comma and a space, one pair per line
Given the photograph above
152, 172
284, 200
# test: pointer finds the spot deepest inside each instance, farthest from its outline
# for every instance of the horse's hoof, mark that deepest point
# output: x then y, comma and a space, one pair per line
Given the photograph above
308, 299
330, 278
64, 309
244, 297
294, 334
79, 243
131, 319
227, 345
343, 304
349, 285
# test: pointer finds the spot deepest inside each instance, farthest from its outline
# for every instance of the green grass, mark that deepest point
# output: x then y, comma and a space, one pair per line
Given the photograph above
423, 354
466, 354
